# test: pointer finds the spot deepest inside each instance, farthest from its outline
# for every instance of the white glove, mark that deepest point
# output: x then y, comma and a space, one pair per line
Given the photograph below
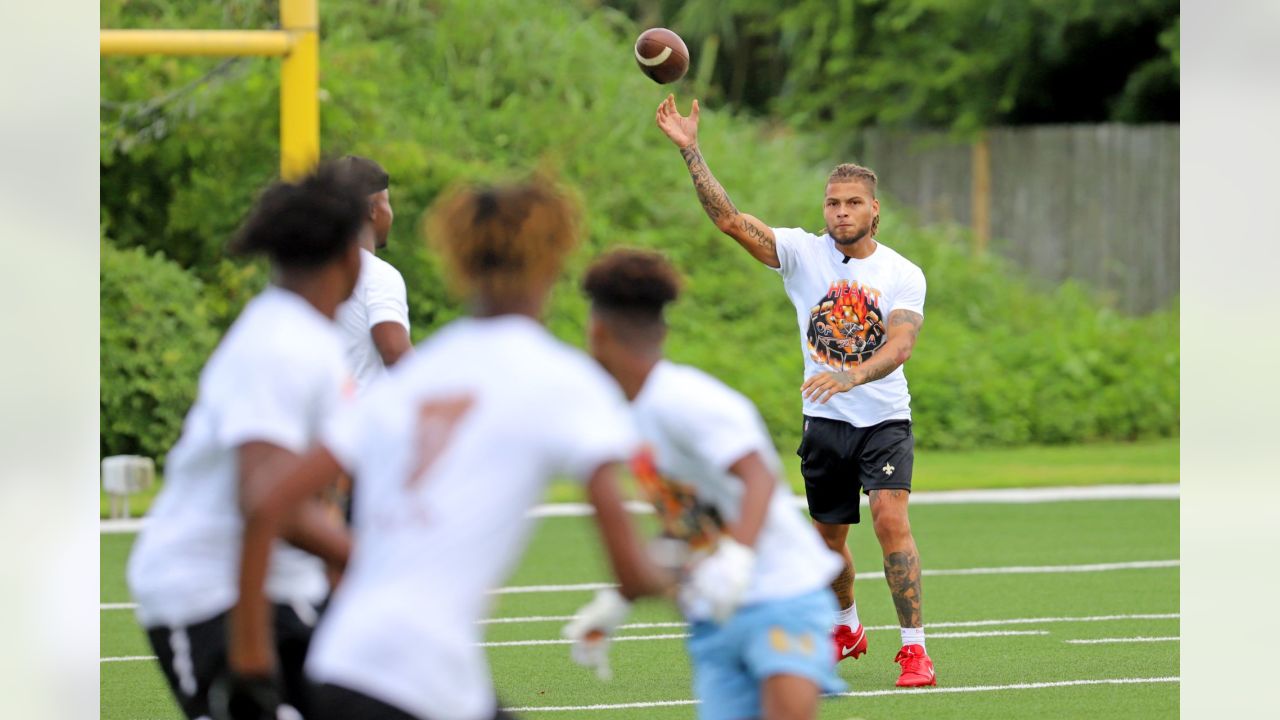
592, 627
717, 584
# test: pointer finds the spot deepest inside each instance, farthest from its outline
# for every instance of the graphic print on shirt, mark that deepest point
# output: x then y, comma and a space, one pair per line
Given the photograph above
846, 326
683, 516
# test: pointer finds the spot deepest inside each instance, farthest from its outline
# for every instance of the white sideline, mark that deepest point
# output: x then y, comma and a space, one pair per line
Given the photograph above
1006, 570
940, 497
1096, 641
667, 636
128, 658
680, 624
874, 693
931, 626
1000, 570
681, 636
673, 636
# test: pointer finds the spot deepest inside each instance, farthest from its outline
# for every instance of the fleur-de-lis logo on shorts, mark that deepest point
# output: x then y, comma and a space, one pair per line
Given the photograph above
888, 469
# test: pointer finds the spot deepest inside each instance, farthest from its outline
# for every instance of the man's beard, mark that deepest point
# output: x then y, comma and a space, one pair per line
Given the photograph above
864, 232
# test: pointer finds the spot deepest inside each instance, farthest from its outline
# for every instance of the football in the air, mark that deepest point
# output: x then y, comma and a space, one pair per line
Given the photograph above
662, 55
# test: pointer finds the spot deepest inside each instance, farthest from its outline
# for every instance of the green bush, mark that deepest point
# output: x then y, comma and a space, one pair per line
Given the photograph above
155, 337
454, 90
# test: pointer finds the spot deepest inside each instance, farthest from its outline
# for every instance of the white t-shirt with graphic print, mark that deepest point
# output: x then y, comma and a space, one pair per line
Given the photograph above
842, 308
449, 452
697, 427
379, 296
274, 377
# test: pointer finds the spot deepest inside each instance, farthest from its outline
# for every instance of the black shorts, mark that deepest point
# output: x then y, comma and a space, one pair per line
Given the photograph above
335, 702
838, 459
193, 656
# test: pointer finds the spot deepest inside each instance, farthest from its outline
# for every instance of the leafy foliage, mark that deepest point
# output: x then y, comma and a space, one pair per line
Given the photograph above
454, 90
963, 64
155, 336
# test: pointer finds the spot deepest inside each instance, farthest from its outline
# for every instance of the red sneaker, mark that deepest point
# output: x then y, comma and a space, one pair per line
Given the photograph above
917, 668
849, 642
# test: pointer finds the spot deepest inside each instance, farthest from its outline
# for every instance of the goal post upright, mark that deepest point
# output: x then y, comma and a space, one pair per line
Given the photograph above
297, 43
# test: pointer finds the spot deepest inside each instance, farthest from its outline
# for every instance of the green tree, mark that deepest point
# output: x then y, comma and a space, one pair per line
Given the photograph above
962, 64
155, 336
454, 90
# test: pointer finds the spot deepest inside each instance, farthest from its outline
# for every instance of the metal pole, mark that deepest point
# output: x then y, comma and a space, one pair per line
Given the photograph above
300, 89
194, 42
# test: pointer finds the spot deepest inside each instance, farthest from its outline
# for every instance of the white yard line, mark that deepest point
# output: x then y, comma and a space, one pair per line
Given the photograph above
874, 693
1006, 570
1016, 686
667, 636
523, 589
1099, 641
1036, 621
562, 641
984, 633
681, 636
1032, 569
941, 497
931, 626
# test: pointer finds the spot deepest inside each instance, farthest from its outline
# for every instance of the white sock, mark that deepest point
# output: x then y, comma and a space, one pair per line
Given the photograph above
912, 636
848, 616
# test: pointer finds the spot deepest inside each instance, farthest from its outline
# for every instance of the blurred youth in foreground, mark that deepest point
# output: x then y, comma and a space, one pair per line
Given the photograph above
755, 574
261, 397
448, 453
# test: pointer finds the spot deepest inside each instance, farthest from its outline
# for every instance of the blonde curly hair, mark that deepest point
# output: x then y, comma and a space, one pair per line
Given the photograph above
503, 240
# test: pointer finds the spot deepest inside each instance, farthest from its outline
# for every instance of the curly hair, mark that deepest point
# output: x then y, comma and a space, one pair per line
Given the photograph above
637, 281
307, 223
632, 287
503, 240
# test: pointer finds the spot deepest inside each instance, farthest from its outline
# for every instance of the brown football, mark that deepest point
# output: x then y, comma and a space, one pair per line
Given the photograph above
662, 55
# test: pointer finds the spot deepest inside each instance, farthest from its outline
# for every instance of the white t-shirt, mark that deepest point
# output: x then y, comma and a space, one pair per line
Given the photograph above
448, 453
379, 297
275, 375
696, 427
842, 309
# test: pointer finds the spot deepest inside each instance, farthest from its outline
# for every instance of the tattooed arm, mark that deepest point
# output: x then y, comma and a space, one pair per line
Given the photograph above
904, 326
752, 234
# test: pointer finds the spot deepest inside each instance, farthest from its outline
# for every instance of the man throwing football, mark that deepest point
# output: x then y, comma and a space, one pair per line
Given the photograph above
859, 306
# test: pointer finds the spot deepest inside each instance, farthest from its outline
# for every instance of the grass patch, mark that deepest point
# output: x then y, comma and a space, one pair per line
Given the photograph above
566, 551
1149, 461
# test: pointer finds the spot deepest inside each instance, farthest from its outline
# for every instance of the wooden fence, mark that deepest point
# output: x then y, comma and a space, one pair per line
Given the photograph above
1097, 203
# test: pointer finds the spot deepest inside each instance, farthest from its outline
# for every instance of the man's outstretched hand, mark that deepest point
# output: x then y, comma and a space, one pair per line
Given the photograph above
682, 130
822, 387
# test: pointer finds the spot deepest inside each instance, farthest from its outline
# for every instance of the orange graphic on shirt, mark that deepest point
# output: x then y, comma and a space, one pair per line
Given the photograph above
846, 326
682, 515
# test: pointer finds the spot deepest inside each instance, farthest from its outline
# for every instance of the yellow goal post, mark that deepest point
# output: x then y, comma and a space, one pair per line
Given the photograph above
297, 42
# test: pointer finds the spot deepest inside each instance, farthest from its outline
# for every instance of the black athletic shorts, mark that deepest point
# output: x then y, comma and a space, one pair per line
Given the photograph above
193, 656
335, 702
838, 459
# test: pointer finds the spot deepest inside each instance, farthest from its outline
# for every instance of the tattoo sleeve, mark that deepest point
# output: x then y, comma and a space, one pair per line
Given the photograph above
904, 326
711, 194
754, 232
902, 571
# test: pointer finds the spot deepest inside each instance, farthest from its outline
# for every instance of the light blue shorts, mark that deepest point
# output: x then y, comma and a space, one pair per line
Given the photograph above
790, 636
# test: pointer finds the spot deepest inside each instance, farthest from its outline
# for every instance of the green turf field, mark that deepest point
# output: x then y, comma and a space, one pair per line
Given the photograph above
1009, 591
